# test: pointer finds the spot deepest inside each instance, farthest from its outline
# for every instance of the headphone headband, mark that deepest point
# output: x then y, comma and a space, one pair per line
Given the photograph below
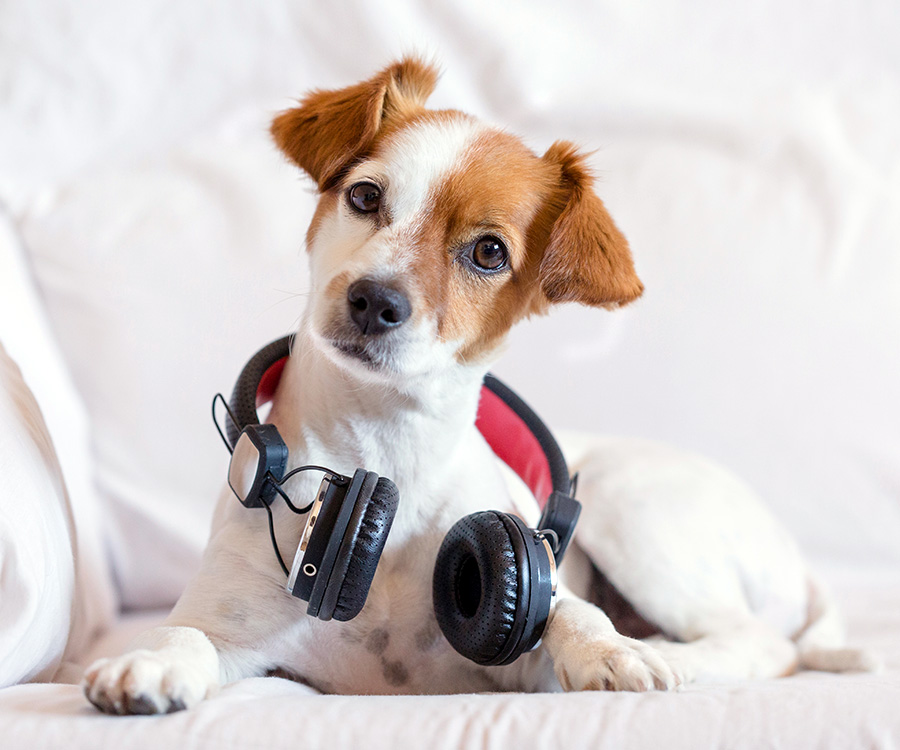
514, 432
256, 385
521, 440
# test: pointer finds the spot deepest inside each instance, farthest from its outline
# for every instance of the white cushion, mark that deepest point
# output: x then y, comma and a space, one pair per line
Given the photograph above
157, 308
37, 571
55, 586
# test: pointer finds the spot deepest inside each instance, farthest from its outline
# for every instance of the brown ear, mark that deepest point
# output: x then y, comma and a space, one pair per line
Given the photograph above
587, 259
331, 128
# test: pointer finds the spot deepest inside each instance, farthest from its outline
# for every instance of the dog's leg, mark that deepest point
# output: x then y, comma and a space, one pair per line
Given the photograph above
212, 636
588, 653
748, 649
695, 553
169, 668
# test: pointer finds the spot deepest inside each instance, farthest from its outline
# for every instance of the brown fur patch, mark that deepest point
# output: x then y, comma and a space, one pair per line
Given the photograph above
395, 673
331, 129
587, 259
501, 189
377, 641
792, 669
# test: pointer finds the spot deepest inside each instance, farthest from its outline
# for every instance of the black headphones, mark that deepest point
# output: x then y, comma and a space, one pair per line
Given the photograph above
347, 522
494, 584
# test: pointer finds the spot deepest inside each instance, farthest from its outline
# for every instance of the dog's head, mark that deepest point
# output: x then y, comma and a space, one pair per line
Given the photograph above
435, 233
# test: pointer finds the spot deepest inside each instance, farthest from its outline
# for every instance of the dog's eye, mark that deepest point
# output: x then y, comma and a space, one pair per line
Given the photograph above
489, 254
365, 197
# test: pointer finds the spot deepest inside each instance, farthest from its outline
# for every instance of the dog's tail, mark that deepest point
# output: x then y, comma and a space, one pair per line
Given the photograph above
820, 645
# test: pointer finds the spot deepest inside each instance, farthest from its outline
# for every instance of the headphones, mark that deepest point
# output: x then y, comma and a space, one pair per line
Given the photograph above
494, 583
348, 521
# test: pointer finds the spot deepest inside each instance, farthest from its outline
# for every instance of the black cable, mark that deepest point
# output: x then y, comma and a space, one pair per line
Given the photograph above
287, 500
544, 533
216, 421
274, 541
276, 483
311, 467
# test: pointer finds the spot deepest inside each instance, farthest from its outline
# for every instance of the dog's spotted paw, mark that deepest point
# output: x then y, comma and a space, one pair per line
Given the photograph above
146, 682
613, 663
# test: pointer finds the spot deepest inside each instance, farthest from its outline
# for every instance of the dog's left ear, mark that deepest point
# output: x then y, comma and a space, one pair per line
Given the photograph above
332, 128
587, 259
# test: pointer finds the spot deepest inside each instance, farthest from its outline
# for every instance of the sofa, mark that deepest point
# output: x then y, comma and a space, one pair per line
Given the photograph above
151, 239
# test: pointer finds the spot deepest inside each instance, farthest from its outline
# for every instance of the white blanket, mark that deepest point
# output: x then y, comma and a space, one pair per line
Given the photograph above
810, 710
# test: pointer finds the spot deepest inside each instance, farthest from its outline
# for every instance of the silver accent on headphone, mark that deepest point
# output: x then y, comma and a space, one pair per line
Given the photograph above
542, 535
554, 578
298, 565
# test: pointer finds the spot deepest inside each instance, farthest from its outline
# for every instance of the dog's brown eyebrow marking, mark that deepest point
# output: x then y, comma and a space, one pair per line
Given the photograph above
394, 672
377, 641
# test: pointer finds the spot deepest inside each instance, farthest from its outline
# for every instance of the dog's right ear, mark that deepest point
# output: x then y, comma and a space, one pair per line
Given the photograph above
332, 128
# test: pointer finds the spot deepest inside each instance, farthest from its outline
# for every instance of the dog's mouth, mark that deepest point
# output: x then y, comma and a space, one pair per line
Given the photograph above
355, 351
380, 355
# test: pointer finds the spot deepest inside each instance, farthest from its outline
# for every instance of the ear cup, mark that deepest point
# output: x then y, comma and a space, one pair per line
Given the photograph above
363, 543
481, 587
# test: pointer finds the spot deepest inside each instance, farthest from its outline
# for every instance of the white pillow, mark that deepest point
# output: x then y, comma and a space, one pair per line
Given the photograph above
40, 559
162, 278
37, 571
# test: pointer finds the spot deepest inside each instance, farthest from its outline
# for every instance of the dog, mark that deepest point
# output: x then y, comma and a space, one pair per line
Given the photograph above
433, 235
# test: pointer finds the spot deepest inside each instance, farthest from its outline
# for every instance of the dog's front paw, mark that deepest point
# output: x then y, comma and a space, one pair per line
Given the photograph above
146, 682
613, 662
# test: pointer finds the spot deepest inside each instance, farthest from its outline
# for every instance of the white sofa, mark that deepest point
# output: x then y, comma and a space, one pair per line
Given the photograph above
150, 241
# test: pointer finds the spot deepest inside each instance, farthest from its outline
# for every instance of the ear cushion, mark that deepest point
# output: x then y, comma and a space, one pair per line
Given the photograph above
477, 585
364, 540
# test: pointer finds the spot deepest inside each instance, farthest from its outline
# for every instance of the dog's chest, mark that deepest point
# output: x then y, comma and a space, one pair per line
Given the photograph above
394, 645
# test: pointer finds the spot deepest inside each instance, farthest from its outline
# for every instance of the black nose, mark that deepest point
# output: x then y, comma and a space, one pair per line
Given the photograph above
376, 308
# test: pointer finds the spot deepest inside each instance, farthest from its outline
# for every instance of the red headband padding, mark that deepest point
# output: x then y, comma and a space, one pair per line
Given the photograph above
268, 383
514, 443
504, 430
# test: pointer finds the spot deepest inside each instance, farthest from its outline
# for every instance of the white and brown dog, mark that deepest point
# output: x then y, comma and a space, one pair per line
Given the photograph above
458, 231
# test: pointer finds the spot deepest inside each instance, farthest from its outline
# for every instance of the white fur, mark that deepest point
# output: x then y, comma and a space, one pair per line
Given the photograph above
411, 418
696, 552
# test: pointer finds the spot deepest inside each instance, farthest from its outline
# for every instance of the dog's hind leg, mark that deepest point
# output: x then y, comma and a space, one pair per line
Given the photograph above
747, 647
821, 641
744, 649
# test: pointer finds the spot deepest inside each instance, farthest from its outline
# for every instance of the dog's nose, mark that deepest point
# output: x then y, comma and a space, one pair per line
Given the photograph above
376, 308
